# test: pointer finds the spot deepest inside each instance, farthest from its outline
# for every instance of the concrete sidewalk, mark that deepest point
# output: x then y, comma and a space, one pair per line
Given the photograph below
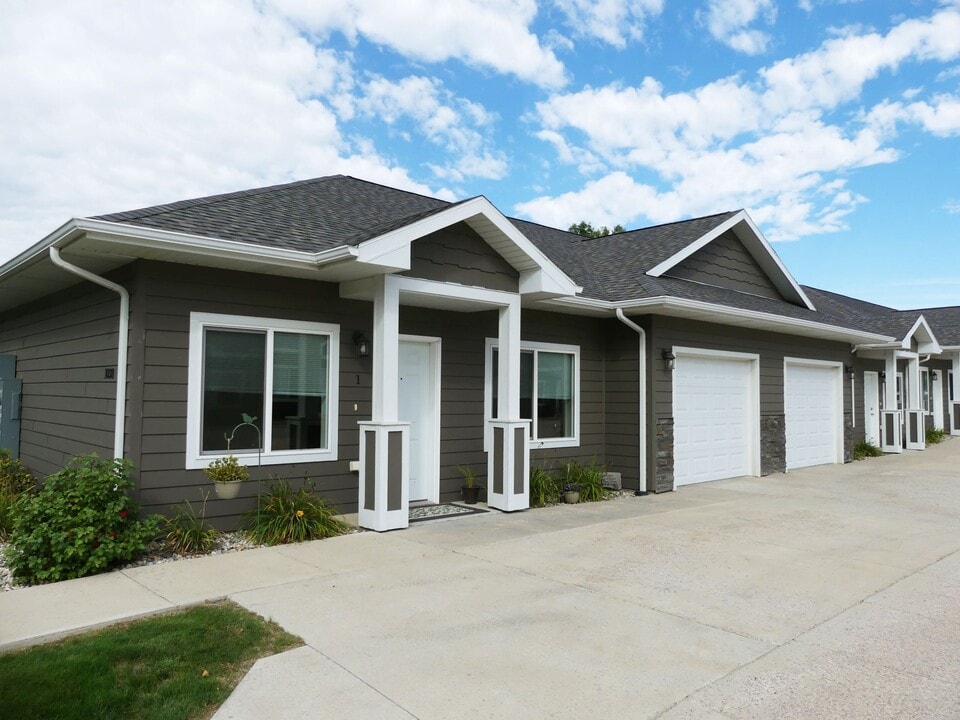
826, 592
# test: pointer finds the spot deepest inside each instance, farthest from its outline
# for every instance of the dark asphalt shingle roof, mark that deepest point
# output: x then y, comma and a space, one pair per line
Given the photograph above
328, 212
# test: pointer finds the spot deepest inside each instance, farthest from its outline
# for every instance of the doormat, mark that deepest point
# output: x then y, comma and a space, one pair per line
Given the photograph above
443, 510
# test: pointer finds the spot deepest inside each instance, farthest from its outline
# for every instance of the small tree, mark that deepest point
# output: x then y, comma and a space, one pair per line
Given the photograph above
587, 230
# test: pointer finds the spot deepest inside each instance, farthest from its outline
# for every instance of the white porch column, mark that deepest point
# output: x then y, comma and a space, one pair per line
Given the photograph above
384, 442
955, 404
508, 462
915, 429
891, 418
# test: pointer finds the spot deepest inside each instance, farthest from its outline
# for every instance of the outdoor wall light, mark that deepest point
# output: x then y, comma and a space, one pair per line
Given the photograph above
849, 370
363, 345
883, 375
669, 359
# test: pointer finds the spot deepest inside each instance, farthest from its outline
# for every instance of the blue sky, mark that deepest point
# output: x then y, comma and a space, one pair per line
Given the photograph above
836, 123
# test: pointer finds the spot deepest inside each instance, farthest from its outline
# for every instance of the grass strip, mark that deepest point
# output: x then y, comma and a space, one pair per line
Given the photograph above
177, 666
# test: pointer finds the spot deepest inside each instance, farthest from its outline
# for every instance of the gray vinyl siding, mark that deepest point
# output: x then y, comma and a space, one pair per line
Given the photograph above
622, 399
725, 262
458, 254
771, 347
63, 345
170, 294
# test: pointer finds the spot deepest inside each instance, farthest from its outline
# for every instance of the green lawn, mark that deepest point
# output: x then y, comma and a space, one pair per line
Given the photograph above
175, 666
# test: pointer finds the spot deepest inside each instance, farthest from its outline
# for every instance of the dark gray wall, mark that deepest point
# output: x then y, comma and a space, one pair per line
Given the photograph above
63, 345
771, 347
458, 254
167, 295
725, 262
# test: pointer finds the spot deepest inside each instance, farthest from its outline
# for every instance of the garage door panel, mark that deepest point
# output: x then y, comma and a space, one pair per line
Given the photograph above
812, 410
712, 419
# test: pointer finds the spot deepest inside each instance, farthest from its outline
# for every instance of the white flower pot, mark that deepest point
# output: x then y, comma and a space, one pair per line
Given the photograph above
227, 490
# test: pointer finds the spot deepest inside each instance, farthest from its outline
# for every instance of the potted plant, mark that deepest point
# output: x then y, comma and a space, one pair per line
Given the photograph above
571, 493
227, 475
470, 489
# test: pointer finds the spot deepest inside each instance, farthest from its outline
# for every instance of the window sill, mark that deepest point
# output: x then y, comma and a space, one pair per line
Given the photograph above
274, 458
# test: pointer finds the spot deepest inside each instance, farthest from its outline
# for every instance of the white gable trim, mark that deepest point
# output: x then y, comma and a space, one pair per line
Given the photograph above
926, 340
538, 274
756, 245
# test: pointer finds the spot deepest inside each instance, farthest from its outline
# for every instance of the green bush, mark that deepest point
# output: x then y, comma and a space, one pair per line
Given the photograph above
189, 533
81, 522
14, 478
544, 488
14, 482
934, 436
863, 449
286, 516
588, 478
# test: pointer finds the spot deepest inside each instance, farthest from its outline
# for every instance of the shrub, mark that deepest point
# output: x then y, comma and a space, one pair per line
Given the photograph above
14, 482
286, 515
81, 522
863, 449
188, 533
544, 488
14, 478
589, 479
934, 436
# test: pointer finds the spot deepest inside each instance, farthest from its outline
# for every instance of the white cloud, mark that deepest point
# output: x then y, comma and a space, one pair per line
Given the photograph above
729, 22
491, 34
143, 107
442, 117
774, 144
611, 21
952, 206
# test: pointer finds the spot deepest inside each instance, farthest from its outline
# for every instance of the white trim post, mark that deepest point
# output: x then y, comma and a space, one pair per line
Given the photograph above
955, 404
891, 419
913, 408
384, 492
508, 461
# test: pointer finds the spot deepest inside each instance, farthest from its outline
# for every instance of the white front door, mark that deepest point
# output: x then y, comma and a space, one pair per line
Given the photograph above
936, 396
419, 400
871, 407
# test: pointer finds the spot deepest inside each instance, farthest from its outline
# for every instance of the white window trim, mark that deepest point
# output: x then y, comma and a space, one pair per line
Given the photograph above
926, 399
198, 322
564, 442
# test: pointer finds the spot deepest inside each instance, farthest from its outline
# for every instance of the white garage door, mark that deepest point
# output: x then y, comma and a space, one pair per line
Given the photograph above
811, 396
714, 425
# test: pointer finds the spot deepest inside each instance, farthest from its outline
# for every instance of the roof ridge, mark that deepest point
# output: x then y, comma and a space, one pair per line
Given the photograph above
661, 225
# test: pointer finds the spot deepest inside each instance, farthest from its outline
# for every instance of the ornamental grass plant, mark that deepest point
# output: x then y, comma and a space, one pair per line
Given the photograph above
285, 515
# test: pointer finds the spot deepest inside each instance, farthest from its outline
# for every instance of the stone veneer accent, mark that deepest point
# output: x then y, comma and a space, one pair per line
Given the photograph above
847, 438
773, 444
663, 473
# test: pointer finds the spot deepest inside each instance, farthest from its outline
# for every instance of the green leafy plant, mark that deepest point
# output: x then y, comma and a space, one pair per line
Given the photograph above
934, 436
226, 470
286, 516
588, 478
14, 478
81, 522
189, 532
863, 449
544, 488
469, 479
14, 482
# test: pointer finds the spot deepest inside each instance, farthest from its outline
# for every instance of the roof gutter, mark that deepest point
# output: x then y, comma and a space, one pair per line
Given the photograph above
642, 399
122, 341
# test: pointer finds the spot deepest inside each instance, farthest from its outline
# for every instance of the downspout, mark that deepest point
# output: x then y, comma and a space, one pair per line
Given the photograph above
123, 331
642, 398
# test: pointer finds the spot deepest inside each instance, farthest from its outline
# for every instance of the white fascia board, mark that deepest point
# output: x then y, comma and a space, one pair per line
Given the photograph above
709, 312
38, 251
392, 249
121, 234
756, 244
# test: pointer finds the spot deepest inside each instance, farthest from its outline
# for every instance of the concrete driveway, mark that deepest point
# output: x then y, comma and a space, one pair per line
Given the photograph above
830, 592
